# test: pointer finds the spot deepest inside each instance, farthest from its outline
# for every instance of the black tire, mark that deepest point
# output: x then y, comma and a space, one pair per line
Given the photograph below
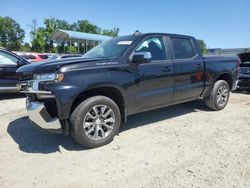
212, 101
79, 114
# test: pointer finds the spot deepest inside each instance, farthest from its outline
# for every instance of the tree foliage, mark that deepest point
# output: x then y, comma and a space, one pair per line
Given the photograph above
25, 47
111, 32
203, 46
40, 38
86, 26
38, 43
11, 34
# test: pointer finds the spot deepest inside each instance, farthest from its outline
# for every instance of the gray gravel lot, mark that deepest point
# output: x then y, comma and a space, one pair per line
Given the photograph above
181, 146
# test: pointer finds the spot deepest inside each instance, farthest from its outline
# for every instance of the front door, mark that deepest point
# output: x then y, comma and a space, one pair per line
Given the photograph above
8, 67
154, 83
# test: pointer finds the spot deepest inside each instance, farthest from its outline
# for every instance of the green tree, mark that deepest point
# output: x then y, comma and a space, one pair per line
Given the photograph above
203, 46
38, 43
26, 47
71, 49
11, 34
40, 36
51, 24
33, 28
86, 26
111, 32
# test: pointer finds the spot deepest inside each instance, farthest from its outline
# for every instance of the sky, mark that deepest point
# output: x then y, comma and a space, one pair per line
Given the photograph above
220, 23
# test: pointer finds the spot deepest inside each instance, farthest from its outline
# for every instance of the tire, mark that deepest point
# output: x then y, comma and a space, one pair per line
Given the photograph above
219, 95
91, 118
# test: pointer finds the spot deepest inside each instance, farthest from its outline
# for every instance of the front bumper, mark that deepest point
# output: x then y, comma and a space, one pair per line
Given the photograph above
39, 116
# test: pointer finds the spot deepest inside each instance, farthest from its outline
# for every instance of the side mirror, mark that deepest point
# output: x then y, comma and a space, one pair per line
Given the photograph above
21, 62
141, 57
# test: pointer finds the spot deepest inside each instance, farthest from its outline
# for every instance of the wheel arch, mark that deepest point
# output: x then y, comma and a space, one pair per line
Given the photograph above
110, 91
226, 77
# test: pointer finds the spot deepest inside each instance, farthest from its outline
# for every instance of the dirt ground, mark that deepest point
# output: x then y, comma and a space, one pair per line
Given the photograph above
180, 146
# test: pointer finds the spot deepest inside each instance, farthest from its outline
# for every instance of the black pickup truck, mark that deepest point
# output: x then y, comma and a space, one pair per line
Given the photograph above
92, 95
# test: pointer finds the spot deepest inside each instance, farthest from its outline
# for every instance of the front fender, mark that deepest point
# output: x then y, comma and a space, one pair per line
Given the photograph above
67, 95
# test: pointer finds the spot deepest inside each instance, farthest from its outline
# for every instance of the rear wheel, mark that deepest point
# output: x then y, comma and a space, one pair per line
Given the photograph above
95, 121
219, 96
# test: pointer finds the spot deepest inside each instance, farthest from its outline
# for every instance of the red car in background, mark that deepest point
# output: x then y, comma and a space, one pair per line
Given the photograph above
33, 56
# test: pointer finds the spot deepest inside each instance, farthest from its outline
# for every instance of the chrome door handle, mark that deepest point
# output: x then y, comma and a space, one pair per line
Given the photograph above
166, 69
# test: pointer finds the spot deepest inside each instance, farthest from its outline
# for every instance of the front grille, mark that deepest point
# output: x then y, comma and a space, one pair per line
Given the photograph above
25, 77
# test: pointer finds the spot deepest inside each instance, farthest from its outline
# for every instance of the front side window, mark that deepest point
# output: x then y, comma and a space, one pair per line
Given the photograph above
7, 59
155, 46
183, 48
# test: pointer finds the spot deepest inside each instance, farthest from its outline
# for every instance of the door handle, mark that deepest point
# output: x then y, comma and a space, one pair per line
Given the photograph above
197, 66
166, 69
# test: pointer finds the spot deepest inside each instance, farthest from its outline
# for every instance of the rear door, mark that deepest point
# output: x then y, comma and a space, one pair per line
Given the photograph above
8, 67
188, 69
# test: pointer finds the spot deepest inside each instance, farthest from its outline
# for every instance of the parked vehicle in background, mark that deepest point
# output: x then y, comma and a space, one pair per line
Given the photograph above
33, 56
244, 78
9, 63
91, 96
69, 56
53, 56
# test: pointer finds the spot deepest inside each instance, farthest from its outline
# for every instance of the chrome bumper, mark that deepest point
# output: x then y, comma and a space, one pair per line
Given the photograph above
38, 114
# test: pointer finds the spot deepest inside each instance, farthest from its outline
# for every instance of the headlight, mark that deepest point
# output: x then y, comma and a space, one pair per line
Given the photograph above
49, 77
45, 77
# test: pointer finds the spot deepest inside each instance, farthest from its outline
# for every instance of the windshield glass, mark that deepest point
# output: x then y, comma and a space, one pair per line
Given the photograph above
111, 48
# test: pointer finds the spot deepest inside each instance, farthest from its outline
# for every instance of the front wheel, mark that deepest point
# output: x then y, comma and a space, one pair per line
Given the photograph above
219, 96
95, 121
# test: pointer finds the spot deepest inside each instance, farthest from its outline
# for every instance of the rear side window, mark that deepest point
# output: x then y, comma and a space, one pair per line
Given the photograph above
183, 48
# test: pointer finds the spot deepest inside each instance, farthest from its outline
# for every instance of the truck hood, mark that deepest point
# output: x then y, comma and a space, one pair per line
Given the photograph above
54, 65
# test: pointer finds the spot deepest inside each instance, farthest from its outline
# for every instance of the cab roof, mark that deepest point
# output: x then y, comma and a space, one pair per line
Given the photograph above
166, 34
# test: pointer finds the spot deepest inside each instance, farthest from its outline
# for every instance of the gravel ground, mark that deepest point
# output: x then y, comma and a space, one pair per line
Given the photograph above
181, 146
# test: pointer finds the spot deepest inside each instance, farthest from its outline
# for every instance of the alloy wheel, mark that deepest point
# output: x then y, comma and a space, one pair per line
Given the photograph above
99, 122
222, 95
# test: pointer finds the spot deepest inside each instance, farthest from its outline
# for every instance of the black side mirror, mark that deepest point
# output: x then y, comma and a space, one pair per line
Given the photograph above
141, 57
21, 62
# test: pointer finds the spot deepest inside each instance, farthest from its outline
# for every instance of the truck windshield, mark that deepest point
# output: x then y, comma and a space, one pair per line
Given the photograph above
111, 48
